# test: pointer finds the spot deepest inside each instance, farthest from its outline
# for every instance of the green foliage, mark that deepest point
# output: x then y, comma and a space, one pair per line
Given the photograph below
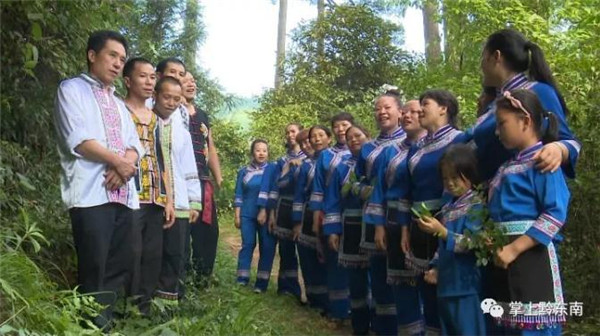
234, 152
321, 84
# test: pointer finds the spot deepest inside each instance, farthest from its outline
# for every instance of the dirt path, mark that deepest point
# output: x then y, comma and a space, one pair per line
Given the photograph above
232, 238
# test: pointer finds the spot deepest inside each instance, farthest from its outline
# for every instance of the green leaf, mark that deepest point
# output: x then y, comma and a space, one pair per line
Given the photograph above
24, 181
36, 31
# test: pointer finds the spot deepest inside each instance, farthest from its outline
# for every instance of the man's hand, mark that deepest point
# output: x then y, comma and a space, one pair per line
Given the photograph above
112, 179
124, 167
169, 216
194, 214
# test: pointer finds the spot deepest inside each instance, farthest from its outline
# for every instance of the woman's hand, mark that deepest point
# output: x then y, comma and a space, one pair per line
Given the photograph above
432, 226
431, 276
237, 222
550, 157
505, 256
380, 240
334, 242
262, 216
405, 240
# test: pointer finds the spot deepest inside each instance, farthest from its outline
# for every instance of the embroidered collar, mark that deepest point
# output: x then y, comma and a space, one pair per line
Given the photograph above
527, 153
464, 198
257, 166
339, 147
93, 80
440, 133
352, 160
396, 133
292, 156
515, 82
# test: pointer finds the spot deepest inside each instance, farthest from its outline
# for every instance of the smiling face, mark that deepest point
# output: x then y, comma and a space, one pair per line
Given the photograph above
432, 114
355, 139
141, 81
167, 100
410, 118
260, 152
339, 130
387, 113
107, 64
319, 139
290, 134
189, 87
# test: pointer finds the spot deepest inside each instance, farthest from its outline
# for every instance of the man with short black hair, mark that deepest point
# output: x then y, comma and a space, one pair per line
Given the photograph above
99, 150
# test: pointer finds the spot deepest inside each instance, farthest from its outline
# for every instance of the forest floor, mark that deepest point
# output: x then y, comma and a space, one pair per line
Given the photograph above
225, 308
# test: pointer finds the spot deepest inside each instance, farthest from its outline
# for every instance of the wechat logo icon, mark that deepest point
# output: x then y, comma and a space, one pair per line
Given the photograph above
490, 306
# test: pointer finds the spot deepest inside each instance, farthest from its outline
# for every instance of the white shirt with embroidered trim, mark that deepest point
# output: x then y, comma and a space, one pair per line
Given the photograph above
78, 118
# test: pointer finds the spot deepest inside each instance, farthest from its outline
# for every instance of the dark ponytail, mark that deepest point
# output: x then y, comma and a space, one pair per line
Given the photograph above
551, 132
521, 55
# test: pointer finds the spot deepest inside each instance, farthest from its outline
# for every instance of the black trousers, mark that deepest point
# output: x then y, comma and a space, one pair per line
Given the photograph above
204, 240
102, 236
172, 260
147, 242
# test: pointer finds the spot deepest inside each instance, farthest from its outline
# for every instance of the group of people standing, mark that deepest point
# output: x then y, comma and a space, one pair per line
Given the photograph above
383, 228
135, 177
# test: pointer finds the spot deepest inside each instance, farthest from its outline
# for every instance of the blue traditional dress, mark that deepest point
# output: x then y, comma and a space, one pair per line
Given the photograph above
490, 152
427, 188
247, 188
281, 197
459, 278
367, 170
391, 191
314, 272
327, 160
524, 201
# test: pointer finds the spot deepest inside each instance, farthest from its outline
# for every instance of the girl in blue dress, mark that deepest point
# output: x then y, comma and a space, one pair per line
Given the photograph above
531, 207
346, 266
313, 267
281, 195
509, 61
438, 117
455, 272
392, 188
327, 160
247, 207
388, 109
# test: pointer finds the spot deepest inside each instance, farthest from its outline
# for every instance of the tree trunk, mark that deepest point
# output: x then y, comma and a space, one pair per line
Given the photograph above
321, 38
281, 35
433, 52
191, 34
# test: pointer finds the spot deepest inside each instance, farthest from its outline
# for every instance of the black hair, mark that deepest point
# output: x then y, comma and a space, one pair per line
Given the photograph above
302, 133
297, 124
130, 65
161, 82
443, 98
516, 50
321, 127
461, 158
487, 96
361, 128
532, 104
256, 142
342, 116
394, 94
162, 65
97, 41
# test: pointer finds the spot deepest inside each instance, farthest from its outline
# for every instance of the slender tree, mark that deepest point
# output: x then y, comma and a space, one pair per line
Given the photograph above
433, 50
281, 35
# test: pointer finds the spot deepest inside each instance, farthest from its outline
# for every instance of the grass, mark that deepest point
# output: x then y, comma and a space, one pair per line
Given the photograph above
225, 308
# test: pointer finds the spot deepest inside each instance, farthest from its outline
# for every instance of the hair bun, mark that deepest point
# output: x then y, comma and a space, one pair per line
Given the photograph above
390, 89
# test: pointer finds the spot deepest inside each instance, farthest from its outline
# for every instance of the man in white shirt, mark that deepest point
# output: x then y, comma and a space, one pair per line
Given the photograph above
99, 149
